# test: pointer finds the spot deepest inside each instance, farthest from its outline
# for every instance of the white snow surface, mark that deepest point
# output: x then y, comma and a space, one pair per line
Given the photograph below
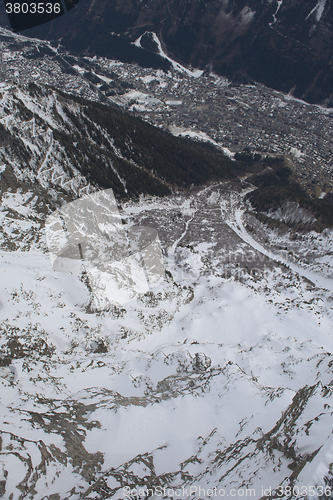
202, 136
194, 375
318, 10
177, 66
221, 376
279, 3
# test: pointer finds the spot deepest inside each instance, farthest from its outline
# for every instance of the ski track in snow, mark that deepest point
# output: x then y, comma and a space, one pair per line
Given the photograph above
176, 243
202, 136
318, 9
195, 73
280, 2
236, 224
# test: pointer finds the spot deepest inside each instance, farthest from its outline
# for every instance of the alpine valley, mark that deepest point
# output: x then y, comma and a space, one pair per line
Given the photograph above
285, 44
219, 381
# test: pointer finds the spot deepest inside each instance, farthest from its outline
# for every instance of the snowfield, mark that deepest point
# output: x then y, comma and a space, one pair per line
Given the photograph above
217, 382
209, 380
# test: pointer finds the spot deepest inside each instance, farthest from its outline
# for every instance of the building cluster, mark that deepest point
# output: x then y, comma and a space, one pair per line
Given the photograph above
207, 107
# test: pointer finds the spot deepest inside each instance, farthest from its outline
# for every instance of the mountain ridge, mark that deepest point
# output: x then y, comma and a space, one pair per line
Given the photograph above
221, 377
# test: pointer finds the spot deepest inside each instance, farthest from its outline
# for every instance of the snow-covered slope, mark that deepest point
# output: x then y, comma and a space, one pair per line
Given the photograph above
220, 377
216, 382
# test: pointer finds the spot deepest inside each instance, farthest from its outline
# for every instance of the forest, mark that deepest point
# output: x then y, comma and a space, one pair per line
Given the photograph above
277, 187
109, 146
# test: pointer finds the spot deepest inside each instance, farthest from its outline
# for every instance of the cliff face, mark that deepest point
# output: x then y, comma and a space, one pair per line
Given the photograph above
285, 44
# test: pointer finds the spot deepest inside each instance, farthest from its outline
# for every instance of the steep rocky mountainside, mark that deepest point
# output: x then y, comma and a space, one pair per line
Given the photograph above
64, 142
285, 44
221, 376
